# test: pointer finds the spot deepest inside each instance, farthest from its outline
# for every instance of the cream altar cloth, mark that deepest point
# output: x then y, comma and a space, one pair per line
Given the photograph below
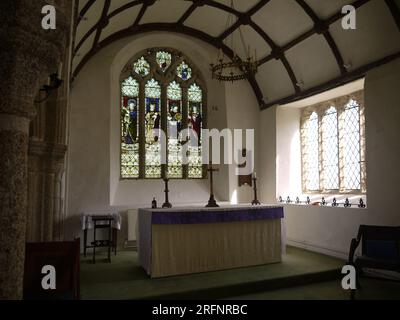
191, 240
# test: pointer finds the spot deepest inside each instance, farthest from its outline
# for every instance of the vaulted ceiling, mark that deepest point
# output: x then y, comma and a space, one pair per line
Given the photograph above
301, 43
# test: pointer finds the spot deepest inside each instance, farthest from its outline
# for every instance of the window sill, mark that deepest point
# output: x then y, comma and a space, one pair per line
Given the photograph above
347, 201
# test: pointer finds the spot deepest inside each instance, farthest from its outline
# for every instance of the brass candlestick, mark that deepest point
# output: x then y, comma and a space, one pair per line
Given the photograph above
166, 204
255, 200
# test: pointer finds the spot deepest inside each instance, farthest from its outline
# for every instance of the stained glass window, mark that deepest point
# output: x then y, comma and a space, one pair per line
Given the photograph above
330, 150
184, 71
195, 93
145, 115
174, 96
153, 126
129, 129
163, 59
130, 88
195, 122
333, 146
142, 67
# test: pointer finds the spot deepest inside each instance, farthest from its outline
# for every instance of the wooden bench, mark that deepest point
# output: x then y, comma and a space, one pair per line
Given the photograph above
65, 257
380, 249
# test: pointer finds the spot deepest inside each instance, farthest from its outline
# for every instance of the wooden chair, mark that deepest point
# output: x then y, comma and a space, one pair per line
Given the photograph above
380, 250
65, 257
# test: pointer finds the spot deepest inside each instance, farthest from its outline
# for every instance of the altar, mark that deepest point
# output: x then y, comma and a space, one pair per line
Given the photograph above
195, 239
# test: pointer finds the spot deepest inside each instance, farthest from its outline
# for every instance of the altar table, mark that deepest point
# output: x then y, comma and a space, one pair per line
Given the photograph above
190, 240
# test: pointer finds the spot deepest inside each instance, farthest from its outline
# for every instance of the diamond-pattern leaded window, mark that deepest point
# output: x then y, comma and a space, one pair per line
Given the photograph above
157, 106
333, 146
330, 150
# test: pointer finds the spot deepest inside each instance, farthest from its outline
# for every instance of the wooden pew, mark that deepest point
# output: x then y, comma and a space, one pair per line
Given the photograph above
380, 247
65, 257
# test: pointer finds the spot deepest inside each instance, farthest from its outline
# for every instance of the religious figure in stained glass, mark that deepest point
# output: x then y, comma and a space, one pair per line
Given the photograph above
161, 108
195, 122
174, 97
129, 129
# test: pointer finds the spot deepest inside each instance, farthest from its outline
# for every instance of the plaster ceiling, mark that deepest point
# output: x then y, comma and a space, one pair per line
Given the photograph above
302, 46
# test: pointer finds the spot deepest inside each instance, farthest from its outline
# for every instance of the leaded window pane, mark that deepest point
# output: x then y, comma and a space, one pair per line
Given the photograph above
163, 59
129, 129
311, 153
330, 150
195, 123
142, 67
351, 146
130, 88
333, 146
152, 129
174, 96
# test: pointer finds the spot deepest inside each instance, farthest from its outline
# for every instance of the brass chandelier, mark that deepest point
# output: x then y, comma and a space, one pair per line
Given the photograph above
234, 69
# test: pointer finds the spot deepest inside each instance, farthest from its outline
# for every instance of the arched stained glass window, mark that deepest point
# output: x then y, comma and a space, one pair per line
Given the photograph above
157, 107
330, 150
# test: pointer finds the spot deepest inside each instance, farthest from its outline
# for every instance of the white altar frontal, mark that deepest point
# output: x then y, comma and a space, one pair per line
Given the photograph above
195, 239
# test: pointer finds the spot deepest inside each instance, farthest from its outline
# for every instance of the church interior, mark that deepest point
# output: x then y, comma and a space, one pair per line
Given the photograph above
111, 190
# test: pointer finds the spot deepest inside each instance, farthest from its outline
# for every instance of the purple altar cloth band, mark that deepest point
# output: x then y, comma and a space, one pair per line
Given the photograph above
194, 217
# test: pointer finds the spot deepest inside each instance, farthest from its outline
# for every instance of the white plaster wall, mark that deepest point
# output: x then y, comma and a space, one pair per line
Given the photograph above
242, 113
288, 165
267, 156
326, 229
93, 183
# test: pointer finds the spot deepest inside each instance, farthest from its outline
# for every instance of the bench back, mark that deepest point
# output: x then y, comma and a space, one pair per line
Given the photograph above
65, 257
380, 242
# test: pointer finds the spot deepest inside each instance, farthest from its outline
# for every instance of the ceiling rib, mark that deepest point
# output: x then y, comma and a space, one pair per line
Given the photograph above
102, 22
141, 14
84, 10
394, 10
124, 7
356, 4
331, 84
245, 19
323, 29
320, 26
188, 12
171, 27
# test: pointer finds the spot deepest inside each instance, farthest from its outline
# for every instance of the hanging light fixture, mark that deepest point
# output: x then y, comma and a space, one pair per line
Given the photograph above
235, 68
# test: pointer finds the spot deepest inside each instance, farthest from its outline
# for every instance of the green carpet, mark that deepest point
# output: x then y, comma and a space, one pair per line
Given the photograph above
125, 279
372, 289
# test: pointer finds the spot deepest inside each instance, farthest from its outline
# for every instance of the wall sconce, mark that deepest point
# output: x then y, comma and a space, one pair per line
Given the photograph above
53, 83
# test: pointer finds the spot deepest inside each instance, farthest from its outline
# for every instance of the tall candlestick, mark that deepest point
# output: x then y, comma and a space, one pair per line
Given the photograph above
166, 204
255, 200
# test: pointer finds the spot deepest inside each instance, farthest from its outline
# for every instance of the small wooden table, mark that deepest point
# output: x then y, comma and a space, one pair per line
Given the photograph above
101, 222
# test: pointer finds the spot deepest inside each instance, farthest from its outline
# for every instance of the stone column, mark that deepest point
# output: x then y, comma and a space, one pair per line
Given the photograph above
28, 54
